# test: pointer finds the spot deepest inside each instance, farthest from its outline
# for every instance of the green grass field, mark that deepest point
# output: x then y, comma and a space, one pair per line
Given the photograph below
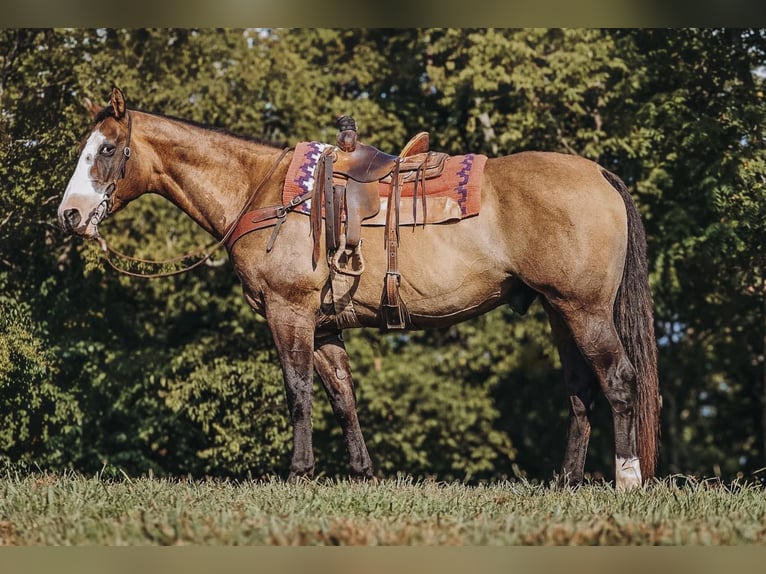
69, 509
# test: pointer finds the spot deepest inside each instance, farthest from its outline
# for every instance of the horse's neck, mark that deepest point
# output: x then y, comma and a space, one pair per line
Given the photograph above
208, 174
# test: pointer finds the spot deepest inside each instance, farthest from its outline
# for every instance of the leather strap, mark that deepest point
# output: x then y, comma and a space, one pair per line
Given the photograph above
322, 192
393, 313
334, 199
252, 221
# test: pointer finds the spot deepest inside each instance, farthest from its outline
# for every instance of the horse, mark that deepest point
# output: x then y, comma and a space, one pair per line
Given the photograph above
552, 227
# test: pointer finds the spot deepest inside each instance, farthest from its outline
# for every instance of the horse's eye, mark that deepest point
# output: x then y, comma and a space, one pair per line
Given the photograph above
107, 149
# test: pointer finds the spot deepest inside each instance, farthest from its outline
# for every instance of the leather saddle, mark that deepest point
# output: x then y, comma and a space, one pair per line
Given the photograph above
348, 182
359, 168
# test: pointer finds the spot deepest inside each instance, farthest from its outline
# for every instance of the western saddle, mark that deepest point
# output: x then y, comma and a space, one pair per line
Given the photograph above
348, 183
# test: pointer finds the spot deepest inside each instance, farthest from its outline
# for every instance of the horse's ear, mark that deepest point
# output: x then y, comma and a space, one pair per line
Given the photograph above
94, 109
118, 102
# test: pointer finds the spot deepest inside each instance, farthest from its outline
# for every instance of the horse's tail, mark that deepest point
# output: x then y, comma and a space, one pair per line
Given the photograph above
633, 316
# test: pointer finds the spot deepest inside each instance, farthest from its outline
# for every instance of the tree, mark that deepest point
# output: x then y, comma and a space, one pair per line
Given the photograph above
178, 376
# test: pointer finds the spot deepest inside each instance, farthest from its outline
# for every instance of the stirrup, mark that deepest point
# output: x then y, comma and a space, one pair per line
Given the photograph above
348, 261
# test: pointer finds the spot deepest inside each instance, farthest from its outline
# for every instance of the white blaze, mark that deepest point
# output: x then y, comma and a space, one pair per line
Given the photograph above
81, 184
82, 194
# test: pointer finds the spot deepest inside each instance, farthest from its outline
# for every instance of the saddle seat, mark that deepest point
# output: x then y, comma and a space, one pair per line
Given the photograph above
356, 170
365, 163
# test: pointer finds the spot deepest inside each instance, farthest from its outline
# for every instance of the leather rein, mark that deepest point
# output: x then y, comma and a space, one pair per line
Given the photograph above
266, 214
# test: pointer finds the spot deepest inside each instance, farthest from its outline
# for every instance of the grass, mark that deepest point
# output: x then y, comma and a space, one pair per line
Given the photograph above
69, 509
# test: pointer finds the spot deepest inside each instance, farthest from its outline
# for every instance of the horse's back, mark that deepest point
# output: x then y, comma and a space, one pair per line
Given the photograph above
549, 178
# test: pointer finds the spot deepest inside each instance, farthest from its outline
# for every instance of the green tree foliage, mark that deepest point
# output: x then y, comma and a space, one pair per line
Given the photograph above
41, 418
699, 141
178, 376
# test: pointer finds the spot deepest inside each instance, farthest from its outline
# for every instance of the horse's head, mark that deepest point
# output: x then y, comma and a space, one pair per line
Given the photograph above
100, 184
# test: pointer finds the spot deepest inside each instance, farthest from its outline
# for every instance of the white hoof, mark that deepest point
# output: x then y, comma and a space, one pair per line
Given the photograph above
627, 473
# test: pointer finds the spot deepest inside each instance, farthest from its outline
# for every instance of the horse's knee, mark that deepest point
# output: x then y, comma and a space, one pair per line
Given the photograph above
335, 373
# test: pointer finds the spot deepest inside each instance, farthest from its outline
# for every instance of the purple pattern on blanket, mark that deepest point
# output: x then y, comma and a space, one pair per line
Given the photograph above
463, 177
306, 172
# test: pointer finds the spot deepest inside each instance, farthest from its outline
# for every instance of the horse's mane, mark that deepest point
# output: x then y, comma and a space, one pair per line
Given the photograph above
108, 112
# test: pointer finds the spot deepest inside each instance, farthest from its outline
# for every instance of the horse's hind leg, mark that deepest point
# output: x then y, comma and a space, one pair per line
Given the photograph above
331, 362
596, 337
582, 386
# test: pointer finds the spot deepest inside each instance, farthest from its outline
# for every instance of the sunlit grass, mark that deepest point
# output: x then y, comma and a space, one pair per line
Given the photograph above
70, 509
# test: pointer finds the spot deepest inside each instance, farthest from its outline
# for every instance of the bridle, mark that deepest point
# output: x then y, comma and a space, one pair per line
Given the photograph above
99, 212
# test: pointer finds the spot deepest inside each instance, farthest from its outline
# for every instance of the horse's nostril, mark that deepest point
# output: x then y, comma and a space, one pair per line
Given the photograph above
71, 218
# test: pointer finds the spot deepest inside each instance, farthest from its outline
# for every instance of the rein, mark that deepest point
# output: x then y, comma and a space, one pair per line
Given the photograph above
206, 251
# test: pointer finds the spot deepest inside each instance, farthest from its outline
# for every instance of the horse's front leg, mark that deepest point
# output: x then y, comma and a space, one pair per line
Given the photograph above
331, 362
293, 335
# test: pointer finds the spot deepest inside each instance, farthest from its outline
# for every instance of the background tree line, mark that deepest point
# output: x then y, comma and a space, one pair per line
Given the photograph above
178, 376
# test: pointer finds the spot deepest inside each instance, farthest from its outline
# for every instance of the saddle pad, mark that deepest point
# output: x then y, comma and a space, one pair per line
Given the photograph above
460, 181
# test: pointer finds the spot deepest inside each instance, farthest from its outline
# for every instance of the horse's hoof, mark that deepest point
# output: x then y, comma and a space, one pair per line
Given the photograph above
366, 477
568, 480
299, 477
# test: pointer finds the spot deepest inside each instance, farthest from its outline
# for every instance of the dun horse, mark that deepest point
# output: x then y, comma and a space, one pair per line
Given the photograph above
552, 227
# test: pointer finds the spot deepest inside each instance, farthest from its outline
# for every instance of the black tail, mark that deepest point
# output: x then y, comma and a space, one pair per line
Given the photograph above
634, 318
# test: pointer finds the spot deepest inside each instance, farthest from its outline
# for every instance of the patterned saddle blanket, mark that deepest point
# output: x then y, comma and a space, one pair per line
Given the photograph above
453, 195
